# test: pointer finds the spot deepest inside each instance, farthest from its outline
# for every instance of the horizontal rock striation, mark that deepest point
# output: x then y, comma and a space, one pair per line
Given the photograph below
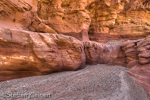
45, 16
119, 19
138, 59
110, 19
141, 71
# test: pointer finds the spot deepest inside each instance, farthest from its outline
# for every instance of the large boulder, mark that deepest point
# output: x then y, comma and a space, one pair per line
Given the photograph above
98, 53
130, 50
24, 53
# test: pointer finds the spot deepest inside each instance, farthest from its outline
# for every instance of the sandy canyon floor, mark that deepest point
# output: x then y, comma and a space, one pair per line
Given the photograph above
95, 82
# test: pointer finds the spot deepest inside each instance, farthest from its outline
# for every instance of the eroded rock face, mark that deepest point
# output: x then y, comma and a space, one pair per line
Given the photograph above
141, 71
130, 50
141, 74
119, 19
46, 16
103, 14
138, 59
24, 53
134, 19
98, 53
15, 14
110, 19
71, 20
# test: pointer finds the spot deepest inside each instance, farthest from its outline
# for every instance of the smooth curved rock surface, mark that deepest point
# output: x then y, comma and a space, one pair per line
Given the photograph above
24, 53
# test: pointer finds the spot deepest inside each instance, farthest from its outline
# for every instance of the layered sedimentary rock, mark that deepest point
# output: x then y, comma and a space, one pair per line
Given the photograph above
46, 16
130, 50
103, 14
134, 19
137, 58
141, 71
110, 19
119, 19
133, 54
71, 20
141, 74
24, 53
15, 14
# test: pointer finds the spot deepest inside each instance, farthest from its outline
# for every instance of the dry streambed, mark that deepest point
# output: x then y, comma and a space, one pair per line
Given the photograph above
95, 82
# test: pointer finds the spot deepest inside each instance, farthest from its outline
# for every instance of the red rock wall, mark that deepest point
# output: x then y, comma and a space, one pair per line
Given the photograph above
24, 53
141, 70
119, 19
133, 54
104, 20
98, 53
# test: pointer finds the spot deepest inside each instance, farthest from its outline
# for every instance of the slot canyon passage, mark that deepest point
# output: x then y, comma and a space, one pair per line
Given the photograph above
75, 49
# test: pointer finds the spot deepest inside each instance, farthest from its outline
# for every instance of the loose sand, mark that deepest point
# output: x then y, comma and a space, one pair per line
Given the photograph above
95, 82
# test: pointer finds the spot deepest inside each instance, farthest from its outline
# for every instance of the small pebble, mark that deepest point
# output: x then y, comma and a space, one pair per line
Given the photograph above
23, 86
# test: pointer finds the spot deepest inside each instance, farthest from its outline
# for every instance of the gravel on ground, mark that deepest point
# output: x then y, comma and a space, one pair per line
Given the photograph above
95, 82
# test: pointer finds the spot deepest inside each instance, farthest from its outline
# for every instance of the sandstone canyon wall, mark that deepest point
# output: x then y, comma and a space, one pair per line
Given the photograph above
31, 40
119, 19
47, 16
24, 53
102, 19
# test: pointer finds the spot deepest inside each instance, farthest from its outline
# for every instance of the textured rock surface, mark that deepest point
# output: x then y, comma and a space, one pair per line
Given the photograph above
15, 14
103, 14
137, 55
71, 20
119, 19
96, 82
110, 19
98, 53
141, 71
134, 19
130, 50
24, 53
141, 74
45, 16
